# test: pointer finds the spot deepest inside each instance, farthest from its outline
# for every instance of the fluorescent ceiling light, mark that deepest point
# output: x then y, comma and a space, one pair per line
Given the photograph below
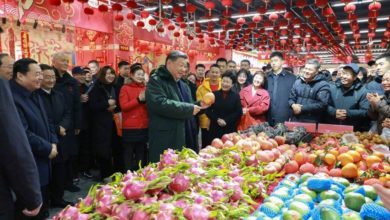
340, 4
364, 20
366, 31
164, 7
255, 13
365, 41
204, 20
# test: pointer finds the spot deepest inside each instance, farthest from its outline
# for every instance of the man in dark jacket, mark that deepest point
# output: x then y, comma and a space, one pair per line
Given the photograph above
169, 105
69, 88
382, 66
6, 65
59, 117
16, 156
26, 79
348, 104
309, 96
279, 84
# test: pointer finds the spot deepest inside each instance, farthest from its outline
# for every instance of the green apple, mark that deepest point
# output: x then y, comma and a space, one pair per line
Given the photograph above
305, 176
370, 192
309, 192
293, 177
341, 180
289, 184
327, 202
351, 188
351, 216
329, 214
329, 194
334, 187
354, 201
281, 193
379, 202
368, 200
271, 207
303, 198
300, 207
275, 200
291, 215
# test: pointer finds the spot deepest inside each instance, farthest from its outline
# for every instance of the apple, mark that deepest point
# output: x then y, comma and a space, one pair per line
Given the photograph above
335, 172
351, 188
236, 138
262, 156
370, 192
288, 183
291, 167
291, 215
275, 200
354, 201
329, 214
225, 138
341, 180
303, 198
306, 176
329, 194
351, 216
228, 144
309, 192
281, 193
280, 140
217, 143
271, 207
327, 202
269, 169
307, 168
208, 98
300, 207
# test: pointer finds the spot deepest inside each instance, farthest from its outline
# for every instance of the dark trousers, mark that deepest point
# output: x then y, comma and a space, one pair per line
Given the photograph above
205, 137
71, 170
105, 167
9, 214
133, 154
117, 154
57, 183
43, 213
86, 153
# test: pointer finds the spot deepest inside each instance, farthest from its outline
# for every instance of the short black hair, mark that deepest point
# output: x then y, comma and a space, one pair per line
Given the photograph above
200, 65
22, 66
174, 55
45, 67
246, 61
2, 55
101, 75
221, 59
232, 61
94, 61
384, 55
276, 54
230, 74
214, 65
371, 63
135, 67
334, 73
123, 63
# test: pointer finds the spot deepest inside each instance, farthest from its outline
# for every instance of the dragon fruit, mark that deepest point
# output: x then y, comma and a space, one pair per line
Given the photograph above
121, 212
140, 215
180, 184
196, 212
134, 190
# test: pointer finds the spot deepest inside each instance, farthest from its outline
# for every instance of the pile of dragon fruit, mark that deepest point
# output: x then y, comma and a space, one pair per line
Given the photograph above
218, 183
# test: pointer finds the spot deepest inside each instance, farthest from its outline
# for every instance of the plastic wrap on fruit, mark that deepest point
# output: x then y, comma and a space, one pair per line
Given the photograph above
349, 139
386, 135
382, 149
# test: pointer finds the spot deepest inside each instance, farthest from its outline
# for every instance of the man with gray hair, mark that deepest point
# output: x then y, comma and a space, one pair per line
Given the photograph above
170, 107
310, 94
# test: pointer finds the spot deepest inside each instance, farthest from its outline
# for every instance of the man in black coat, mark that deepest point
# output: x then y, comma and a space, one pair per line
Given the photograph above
382, 66
26, 79
59, 117
69, 88
16, 156
310, 95
279, 85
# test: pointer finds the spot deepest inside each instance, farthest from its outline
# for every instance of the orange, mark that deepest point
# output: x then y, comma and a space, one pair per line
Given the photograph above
350, 170
360, 150
379, 154
311, 158
300, 158
345, 158
329, 159
356, 155
370, 160
384, 179
334, 152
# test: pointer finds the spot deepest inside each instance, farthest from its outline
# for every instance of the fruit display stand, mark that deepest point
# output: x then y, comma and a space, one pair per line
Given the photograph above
234, 177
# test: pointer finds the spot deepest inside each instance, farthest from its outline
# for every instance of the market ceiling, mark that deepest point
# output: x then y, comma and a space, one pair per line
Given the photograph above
326, 28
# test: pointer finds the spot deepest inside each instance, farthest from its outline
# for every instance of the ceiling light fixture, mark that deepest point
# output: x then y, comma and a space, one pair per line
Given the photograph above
204, 20
366, 31
164, 7
365, 20
341, 4
256, 13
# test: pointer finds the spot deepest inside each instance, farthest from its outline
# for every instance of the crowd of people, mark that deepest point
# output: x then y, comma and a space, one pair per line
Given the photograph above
57, 126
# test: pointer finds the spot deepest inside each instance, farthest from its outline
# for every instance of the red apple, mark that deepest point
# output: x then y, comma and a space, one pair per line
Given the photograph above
225, 137
280, 140
228, 144
208, 98
291, 167
217, 143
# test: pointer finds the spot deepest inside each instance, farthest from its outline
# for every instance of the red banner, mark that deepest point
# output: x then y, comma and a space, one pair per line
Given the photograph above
11, 42
117, 60
24, 38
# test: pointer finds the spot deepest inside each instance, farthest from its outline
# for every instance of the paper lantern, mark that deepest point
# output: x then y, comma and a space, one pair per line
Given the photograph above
288, 15
295, 40
241, 21
144, 14
88, 11
321, 3
160, 30
130, 16
152, 22
176, 9
116, 7
224, 22
179, 19
247, 2
131, 4
103, 8
171, 27
332, 19
166, 21
301, 3
209, 5
262, 10
371, 35
256, 18
182, 25
307, 12
227, 4
55, 2
273, 17
140, 24
350, 8
119, 17
191, 8
374, 6
327, 11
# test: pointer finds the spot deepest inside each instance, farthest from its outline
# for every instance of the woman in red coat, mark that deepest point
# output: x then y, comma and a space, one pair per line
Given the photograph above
255, 100
134, 119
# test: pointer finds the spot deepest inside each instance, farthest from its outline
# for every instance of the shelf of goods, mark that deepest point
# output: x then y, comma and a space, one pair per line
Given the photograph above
260, 173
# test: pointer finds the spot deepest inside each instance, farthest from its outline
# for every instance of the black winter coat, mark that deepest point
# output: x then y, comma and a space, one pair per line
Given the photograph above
354, 101
314, 98
69, 87
279, 88
18, 171
227, 108
102, 120
59, 115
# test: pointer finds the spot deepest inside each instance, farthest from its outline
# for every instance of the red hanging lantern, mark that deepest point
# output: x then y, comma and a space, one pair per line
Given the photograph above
284, 32
288, 15
262, 10
116, 7
374, 6
191, 8
279, 7
88, 11
144, 14
327, 11
68, 1
179, 19
350, 8
247, 2
171, 27
182, 25
273, 17
103, 8
321, 3
140, 24
241, 21
227, 4
224, 22
256, 19
176, 10
271, 34
131, 4
283, 42
295, 40
130, 16
119, 17
332, 19
301, 3
209, 5
371, 35
55, 2
152, 22
307, 12
82, 1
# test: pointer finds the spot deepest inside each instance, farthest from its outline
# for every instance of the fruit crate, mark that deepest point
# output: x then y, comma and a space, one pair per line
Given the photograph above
310, 127
330, 128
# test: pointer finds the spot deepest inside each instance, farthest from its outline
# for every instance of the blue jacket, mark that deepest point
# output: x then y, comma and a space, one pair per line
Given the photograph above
314, 98
17, 165
375, 86
40, 134
279, 88
354, 101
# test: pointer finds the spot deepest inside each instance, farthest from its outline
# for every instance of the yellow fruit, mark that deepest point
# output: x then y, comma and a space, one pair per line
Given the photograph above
350, 170
345, 159
334, 152
355, 155
370, 160
379, 154
329, 159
